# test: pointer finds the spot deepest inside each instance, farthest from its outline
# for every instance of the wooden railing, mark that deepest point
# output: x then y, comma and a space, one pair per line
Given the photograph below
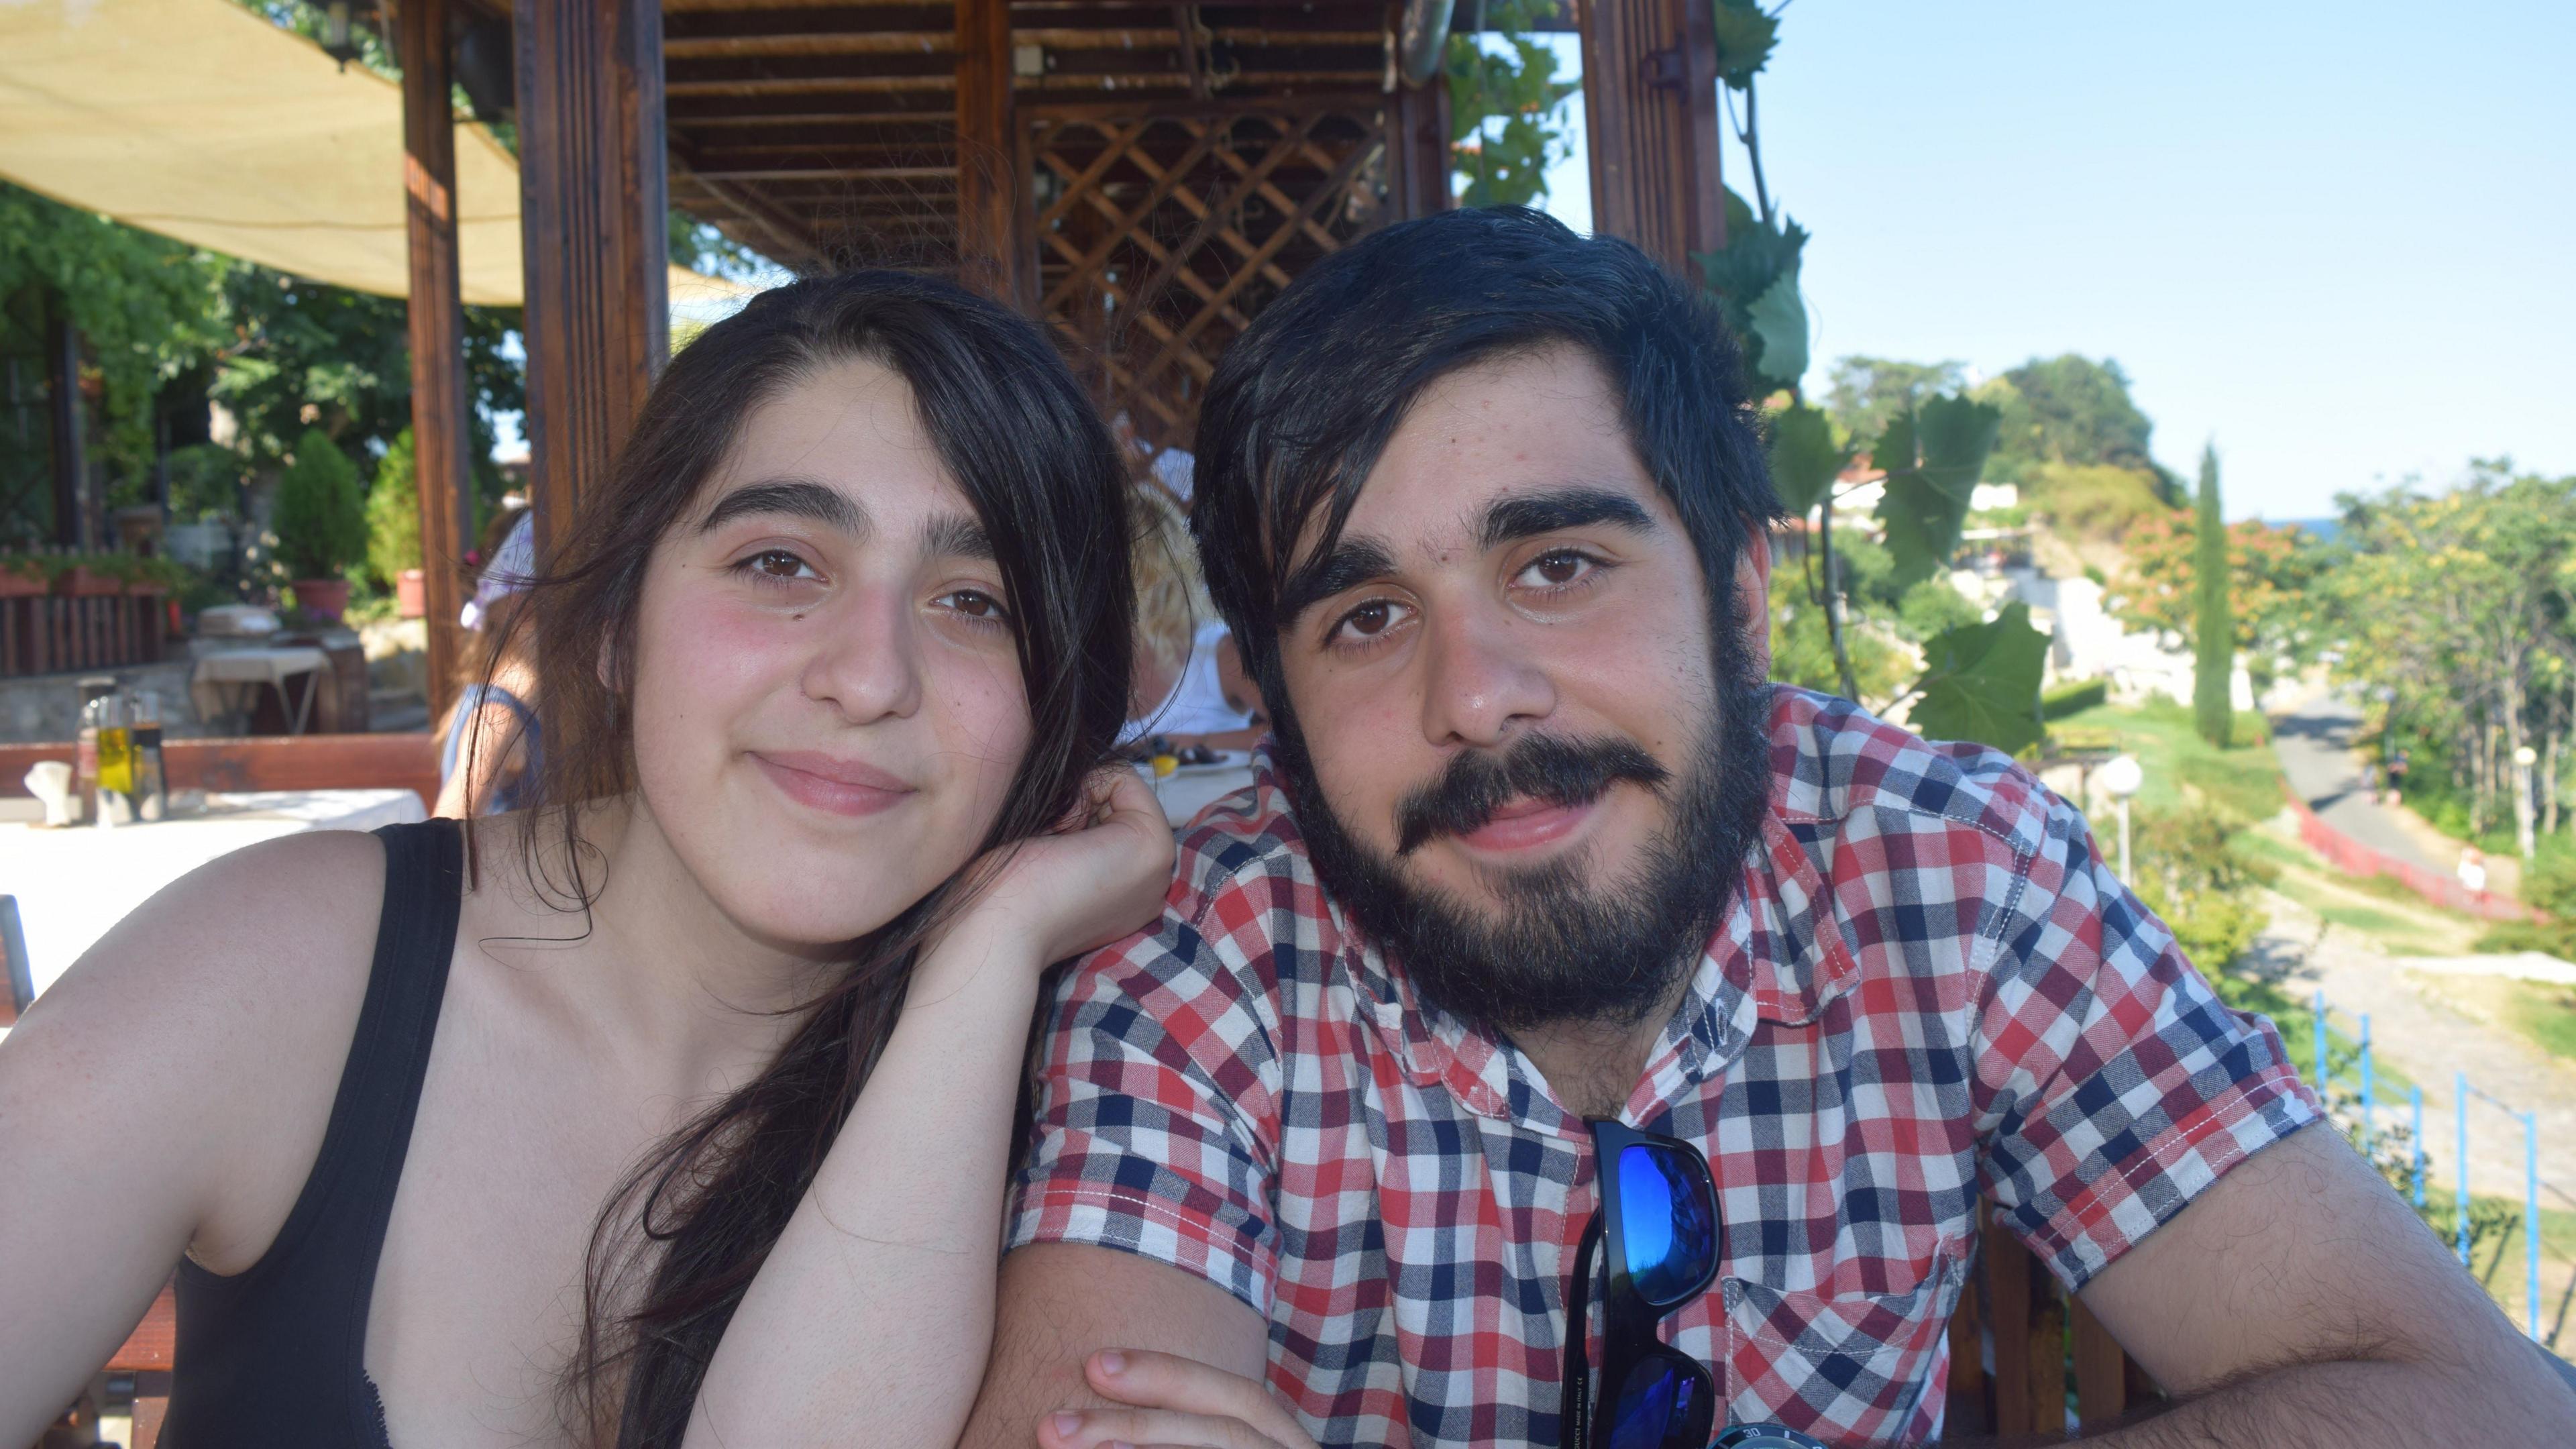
2046, 1345
44, 633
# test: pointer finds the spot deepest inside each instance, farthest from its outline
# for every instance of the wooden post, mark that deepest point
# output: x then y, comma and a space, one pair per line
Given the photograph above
991, 187
1418, 140
440, 438
71, 456
1650, 116
594, 215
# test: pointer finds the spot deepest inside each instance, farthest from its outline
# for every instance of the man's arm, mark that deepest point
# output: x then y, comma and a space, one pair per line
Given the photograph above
1062, 1302
2299, 1301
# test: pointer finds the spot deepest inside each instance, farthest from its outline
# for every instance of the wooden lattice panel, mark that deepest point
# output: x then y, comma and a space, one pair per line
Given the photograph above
1163, 228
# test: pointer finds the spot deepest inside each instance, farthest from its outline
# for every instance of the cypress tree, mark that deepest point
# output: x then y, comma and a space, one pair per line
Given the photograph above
2213, 618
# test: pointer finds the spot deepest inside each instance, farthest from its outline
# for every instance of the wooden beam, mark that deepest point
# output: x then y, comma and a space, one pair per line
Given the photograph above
594, 215
815, 85
992, 194
1418, 142
852, 42
831, 173
1650, 116
442, 446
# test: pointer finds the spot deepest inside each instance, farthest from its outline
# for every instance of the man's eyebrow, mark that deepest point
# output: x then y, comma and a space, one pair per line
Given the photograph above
958, 535
1527, 515
796, 497
1352, 562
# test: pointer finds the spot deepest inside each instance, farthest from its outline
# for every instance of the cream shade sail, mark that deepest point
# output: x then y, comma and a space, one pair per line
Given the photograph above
204, 122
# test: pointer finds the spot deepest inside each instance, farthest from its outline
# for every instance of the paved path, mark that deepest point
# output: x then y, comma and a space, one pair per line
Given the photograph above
2315, 745
2429, 1041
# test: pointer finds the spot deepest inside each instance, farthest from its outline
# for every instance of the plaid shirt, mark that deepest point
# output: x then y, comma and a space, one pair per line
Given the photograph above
1929, 984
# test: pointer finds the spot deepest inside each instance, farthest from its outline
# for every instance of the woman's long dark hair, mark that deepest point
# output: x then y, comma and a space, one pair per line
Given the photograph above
676, 1245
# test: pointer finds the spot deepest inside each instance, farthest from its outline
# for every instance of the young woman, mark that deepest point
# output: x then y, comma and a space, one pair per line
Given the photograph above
491, 740
675, 1108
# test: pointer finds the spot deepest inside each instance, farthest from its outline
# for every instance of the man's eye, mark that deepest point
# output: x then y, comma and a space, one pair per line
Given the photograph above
1371, 619
1558, 568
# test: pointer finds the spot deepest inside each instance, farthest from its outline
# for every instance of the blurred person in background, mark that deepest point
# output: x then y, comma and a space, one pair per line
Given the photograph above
492, 741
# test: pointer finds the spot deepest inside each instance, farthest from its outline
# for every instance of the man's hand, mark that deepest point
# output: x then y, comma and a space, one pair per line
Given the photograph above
2299, 1301
1165, 1400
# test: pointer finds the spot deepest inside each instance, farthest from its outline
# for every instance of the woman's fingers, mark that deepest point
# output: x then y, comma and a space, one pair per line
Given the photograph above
1163, 1381
1128, 1428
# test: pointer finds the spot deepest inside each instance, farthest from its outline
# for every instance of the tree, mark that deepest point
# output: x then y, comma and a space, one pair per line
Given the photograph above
1506, 107
1868, 392
393, 513
2070, 409
2270, 569
2214, 625
321, 522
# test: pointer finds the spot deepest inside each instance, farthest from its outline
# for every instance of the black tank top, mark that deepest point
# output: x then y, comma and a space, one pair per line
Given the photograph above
276, 1354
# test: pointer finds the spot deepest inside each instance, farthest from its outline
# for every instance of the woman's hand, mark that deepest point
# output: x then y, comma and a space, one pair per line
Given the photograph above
1100, 875
1166, 1402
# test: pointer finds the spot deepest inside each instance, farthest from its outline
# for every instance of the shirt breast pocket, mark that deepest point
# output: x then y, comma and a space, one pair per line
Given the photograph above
1850, 1366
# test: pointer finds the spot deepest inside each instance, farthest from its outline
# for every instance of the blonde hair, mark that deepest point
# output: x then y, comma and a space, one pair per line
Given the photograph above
1170, 597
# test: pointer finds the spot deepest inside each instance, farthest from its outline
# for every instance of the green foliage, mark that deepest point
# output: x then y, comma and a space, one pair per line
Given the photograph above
2214, 649
1933, 606
2073, 698
1933, 456
145, 306
2192, 875
1805, 458
1745, 39
1981, 682
393, 514
2070, 409
1803, 655
2182, 768
321, 520
2098, 501
1506, 109
1761, 255
2549, 883
1867, 393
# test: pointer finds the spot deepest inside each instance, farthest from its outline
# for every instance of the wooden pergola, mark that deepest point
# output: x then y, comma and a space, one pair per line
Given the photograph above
1142, 176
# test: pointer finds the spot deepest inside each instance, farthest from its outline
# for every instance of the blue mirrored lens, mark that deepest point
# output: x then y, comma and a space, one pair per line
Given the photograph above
1657, 1409
1664, 1224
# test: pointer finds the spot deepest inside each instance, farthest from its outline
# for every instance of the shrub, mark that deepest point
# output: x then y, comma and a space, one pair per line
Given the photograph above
2190, 873
2549, 882
393, 513
321, 519
2068, 699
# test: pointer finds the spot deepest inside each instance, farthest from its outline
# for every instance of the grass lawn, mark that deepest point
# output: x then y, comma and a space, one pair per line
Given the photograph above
2244, 779
2538, 1012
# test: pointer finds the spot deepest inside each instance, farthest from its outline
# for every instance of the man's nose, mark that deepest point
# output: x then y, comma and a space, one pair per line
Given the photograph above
866, 656
1481, 679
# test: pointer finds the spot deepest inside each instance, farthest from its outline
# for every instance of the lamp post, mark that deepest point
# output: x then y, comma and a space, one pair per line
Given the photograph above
2119, 777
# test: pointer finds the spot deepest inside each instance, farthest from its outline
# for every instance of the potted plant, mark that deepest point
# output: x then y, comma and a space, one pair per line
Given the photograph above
321, 524
22, 577
393, 528
88, 576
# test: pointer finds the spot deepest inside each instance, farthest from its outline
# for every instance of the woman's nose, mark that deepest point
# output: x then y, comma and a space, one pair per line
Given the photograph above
866, 660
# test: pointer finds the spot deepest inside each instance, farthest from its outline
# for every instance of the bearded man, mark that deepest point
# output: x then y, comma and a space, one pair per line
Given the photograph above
1539, 875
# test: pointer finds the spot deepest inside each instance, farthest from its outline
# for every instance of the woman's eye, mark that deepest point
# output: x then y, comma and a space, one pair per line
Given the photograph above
776, 564
1557, 568
1370, 620
974, 604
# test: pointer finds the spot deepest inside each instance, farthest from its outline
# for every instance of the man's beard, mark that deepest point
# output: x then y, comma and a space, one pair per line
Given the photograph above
1560, 948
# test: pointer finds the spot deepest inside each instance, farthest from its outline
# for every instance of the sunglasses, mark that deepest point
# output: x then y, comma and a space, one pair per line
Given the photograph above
1656, 1231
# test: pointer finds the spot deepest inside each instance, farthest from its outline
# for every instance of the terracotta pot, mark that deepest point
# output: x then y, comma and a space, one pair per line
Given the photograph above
322, 598
80, 581
15, 585
411, 594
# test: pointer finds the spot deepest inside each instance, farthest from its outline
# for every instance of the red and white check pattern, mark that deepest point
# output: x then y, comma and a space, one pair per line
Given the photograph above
1930, 983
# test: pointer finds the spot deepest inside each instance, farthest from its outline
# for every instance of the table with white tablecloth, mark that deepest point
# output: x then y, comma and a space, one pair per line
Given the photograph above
73, 884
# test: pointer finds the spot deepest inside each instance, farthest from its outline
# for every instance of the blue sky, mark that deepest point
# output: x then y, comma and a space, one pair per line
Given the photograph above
2333, 238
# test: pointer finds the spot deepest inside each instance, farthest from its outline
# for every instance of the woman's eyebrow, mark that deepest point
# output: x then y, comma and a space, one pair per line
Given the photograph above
957, 535
796, 497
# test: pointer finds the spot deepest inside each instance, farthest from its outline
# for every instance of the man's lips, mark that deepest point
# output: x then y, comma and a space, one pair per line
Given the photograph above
1526, 824
830, 782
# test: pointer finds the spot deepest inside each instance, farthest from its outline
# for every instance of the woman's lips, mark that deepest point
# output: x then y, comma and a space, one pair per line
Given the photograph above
830, 783
1526, 824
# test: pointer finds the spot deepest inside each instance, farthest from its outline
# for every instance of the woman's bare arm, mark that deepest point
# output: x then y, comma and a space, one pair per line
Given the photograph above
169, 1094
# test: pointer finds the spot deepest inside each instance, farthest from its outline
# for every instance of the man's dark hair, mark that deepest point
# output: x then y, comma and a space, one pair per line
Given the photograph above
1305, 401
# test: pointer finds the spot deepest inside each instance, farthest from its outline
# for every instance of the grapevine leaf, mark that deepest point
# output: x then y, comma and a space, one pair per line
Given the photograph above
1981, 682
1745, 37
1778, 318
1805, 459
1933, 457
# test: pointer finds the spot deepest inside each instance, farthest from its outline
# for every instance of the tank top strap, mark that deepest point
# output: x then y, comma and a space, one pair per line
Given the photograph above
276, 1353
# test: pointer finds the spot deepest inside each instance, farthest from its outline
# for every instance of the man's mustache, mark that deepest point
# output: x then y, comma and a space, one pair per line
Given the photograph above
1549, 768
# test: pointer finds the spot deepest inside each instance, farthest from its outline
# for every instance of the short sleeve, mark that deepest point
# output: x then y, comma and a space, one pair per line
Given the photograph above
1155, 1122
2113, 1085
